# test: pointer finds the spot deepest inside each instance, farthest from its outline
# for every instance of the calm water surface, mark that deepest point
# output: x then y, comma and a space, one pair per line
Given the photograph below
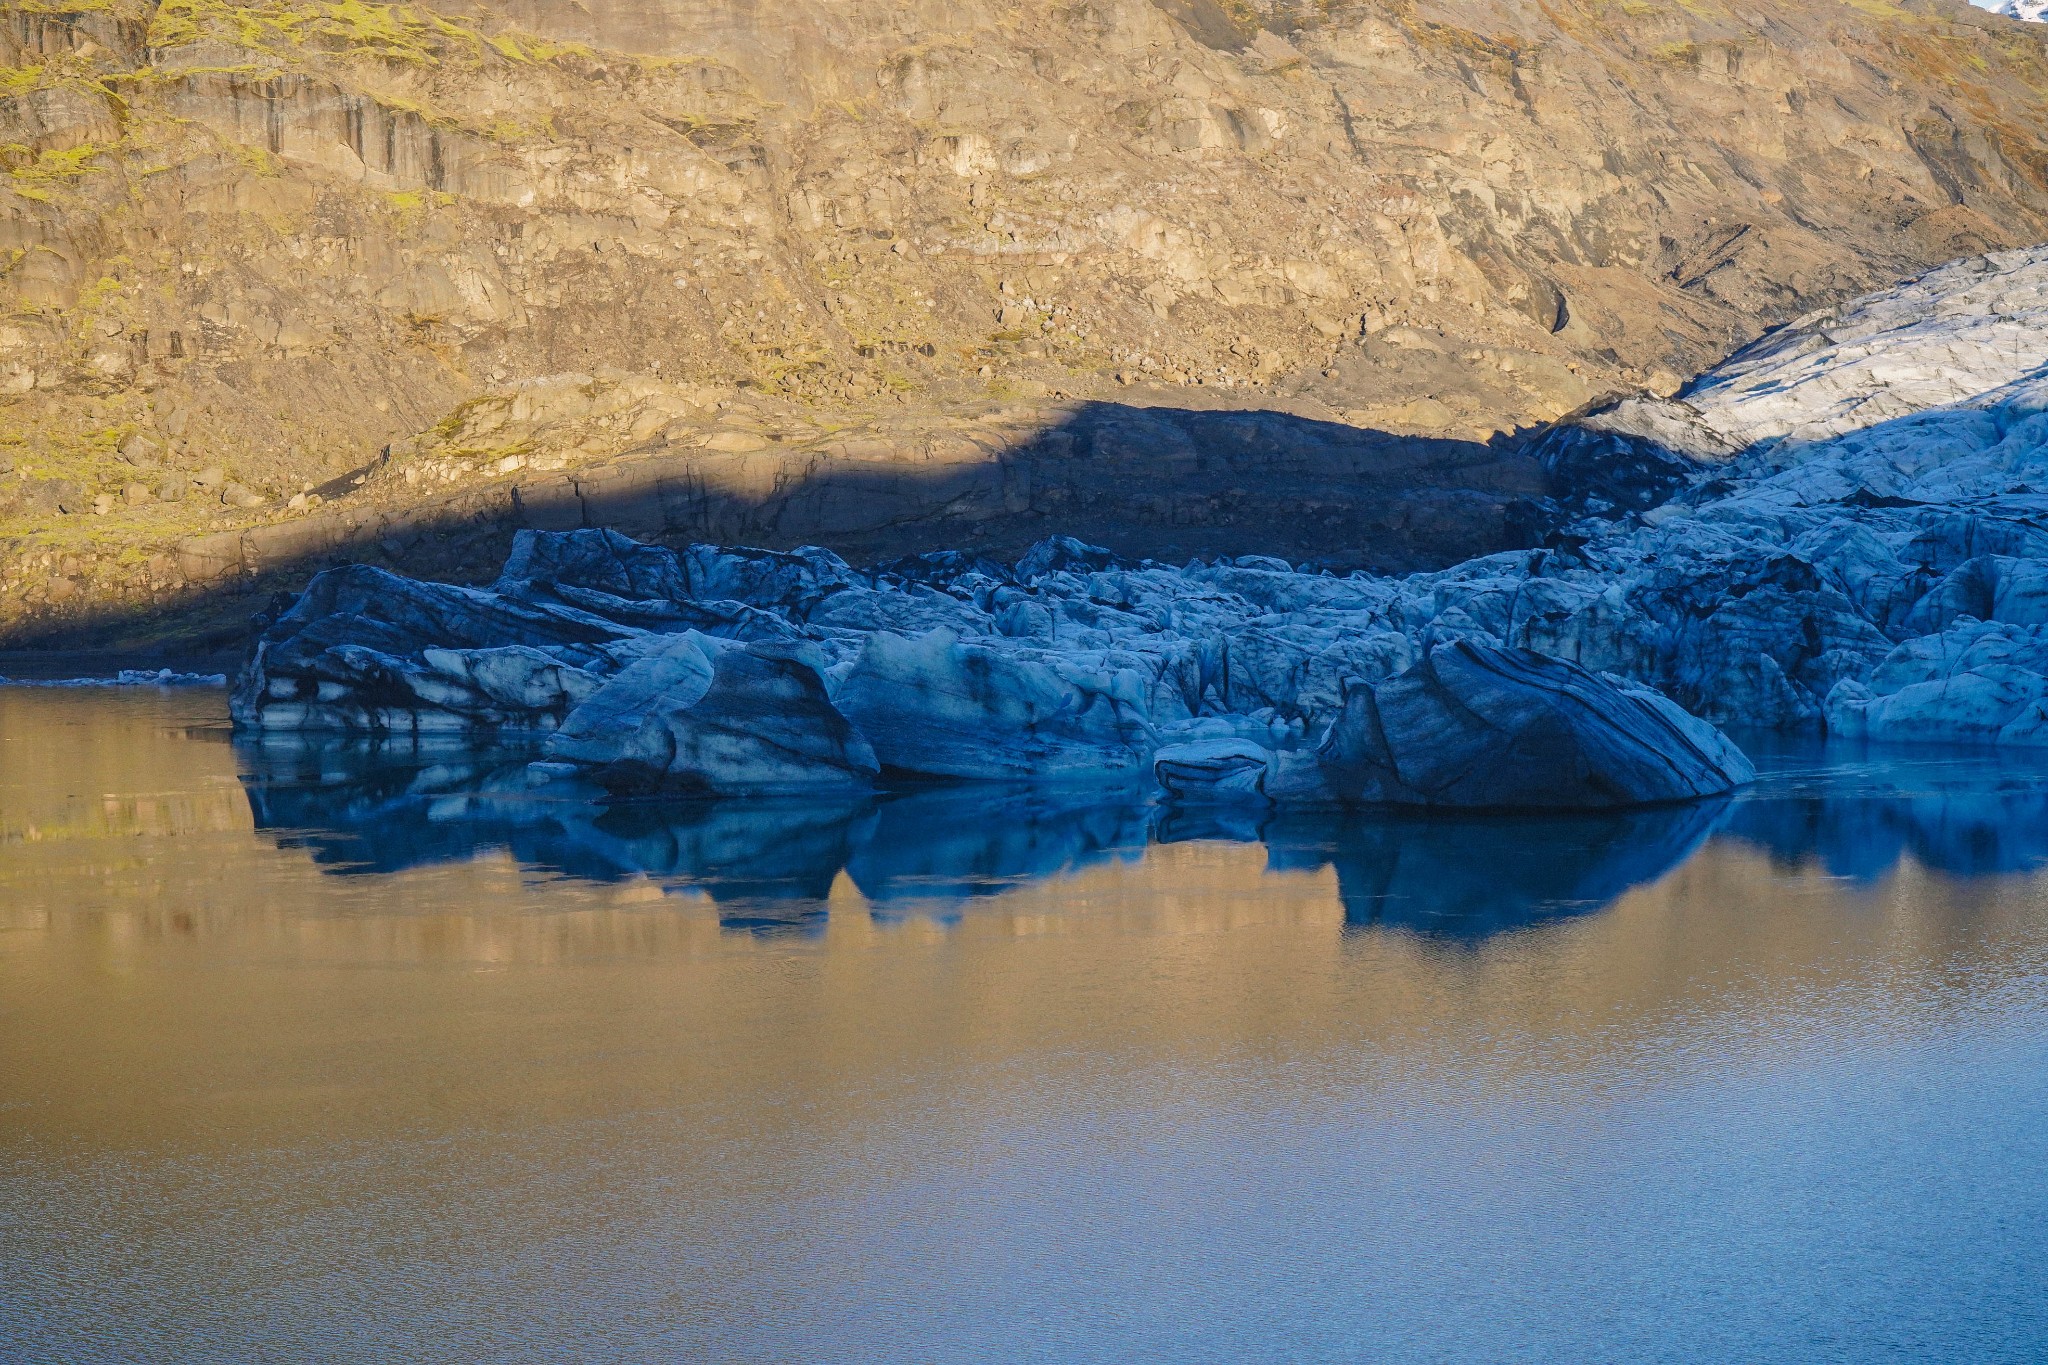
305, 1056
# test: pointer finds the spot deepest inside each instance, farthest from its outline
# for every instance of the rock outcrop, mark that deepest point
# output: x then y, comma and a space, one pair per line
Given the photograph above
1844, 524
715, 717
934, 706
1476, 727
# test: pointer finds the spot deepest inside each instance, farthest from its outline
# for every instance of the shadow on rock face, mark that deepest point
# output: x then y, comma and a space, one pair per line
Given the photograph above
1157, 482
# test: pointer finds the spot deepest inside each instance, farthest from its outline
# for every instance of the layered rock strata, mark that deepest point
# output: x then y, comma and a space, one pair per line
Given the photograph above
1506, 728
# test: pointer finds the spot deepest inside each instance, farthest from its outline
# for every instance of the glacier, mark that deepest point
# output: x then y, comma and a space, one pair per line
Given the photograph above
1842, 528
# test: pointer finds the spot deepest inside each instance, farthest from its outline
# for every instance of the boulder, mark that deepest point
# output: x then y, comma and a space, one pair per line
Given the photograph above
792, 581
1238, 771
1977, 681
604, 561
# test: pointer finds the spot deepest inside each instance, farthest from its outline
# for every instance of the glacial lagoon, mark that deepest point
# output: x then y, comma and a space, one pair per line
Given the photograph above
317, 1052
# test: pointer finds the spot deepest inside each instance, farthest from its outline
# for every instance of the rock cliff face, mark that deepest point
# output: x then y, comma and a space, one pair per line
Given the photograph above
246, 246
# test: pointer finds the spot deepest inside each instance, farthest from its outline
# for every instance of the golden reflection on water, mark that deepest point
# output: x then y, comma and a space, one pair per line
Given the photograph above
171, 978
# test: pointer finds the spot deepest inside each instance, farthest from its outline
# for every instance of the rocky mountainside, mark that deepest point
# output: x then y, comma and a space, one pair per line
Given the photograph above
246, 247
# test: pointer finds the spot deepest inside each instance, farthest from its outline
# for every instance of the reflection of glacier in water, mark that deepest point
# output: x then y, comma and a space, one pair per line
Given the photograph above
766, 863
771, 865
1858, 809
1473, 876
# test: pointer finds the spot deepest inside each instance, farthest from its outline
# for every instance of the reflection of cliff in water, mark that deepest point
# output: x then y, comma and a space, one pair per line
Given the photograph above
772, 865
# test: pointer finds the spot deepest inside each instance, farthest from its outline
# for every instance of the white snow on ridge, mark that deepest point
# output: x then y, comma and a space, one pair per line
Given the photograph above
1987, 446
2033, 11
